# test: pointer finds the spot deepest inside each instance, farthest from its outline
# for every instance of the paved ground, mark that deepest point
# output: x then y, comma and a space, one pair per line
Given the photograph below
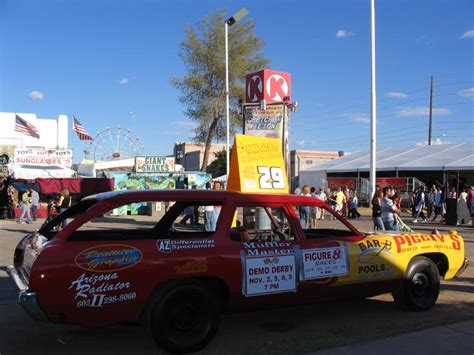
303, 329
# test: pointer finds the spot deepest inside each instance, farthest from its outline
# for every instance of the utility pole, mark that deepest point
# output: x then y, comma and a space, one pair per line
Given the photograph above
431, 112
373, 106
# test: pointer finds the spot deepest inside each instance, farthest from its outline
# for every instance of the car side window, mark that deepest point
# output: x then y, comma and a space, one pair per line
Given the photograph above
152, 220
194, 219
260, 223
319, 222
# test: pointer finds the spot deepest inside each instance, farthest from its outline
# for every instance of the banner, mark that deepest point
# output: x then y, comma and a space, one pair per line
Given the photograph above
257, 165
334, 183
154, 164
36, 156
396, 183
265, 123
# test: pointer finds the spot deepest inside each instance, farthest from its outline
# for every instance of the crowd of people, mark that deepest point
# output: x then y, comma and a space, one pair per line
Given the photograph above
344, 202
432, 204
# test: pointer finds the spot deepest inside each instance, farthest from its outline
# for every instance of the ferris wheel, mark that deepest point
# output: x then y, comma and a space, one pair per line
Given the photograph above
113, 143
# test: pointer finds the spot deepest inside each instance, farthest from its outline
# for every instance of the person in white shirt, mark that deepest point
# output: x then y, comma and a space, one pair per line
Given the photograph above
322, 196
35, 200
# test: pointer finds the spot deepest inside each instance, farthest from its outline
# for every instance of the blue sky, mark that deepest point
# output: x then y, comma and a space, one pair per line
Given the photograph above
99, 60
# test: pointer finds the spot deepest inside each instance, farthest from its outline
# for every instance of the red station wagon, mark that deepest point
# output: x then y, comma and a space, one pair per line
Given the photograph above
198, 253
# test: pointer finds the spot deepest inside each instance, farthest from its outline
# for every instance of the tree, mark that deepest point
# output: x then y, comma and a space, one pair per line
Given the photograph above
203, 88
218, 166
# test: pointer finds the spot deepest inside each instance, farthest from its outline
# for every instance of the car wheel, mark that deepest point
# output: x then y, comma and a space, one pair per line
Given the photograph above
420, 286
183, 317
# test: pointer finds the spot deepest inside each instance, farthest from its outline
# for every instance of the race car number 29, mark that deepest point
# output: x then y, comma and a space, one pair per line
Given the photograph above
271, 177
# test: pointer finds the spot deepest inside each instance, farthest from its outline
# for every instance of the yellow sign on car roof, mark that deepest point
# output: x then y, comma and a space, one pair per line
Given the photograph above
257, 165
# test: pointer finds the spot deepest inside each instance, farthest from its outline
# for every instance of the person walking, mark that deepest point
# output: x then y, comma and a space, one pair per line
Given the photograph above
430, 196
420, 204
34, 203
463, 213
212, 212
437, 204
340, 199
64, 203
376, 211
470, 203
195, 219
25, 208
305, 210
322, 196
313, 211
353, 205
388, 210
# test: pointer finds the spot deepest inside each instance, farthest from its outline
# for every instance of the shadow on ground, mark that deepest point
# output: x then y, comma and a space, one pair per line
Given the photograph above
288, 330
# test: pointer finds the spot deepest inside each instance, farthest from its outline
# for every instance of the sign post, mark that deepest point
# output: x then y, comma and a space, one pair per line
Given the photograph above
266, 112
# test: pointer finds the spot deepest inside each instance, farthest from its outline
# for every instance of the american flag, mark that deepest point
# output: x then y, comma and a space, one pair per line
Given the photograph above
26, 128
81, 131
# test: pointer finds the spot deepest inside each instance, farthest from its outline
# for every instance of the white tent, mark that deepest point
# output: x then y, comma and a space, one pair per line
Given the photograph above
41, 171
91, 168
445, 157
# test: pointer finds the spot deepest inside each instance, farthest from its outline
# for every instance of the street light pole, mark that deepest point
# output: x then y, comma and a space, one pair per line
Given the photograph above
227, 114
228, 23
373, 106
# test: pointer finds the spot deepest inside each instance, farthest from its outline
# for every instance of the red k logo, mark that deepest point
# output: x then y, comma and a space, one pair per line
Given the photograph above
276, 87
255, 89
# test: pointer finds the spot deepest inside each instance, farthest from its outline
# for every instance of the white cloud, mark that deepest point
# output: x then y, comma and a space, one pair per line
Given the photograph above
397, 95
468, 34
425, 40
467, 92
35, 95
123, 81
187, 125
302, 143
423, 111
358, 117
344, 34
437, 141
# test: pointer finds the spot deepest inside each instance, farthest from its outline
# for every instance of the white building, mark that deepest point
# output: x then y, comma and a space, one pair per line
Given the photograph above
53, 132
30, 157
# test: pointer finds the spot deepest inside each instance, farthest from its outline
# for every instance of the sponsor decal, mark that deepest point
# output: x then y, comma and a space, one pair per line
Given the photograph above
95, 290
267, 248
374, 243
169, 245
411, 242
191, 267
324, 262
376, 260
268, 275
108, 258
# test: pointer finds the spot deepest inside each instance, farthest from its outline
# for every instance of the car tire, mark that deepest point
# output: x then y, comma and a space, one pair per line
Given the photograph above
420, 285
183, 317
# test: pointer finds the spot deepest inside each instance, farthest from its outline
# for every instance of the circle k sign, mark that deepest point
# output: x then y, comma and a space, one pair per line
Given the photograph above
269, 85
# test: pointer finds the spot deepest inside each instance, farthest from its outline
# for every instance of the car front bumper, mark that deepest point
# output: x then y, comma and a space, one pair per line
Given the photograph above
463, 268
27, 299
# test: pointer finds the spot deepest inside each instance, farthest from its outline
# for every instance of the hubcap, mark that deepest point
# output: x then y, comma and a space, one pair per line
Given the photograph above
184, 317
420, 284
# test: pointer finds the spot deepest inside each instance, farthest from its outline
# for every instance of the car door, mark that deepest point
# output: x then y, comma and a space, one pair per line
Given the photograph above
264, 237
332, 254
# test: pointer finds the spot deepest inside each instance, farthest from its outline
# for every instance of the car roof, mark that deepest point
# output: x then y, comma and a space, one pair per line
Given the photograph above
209, 195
